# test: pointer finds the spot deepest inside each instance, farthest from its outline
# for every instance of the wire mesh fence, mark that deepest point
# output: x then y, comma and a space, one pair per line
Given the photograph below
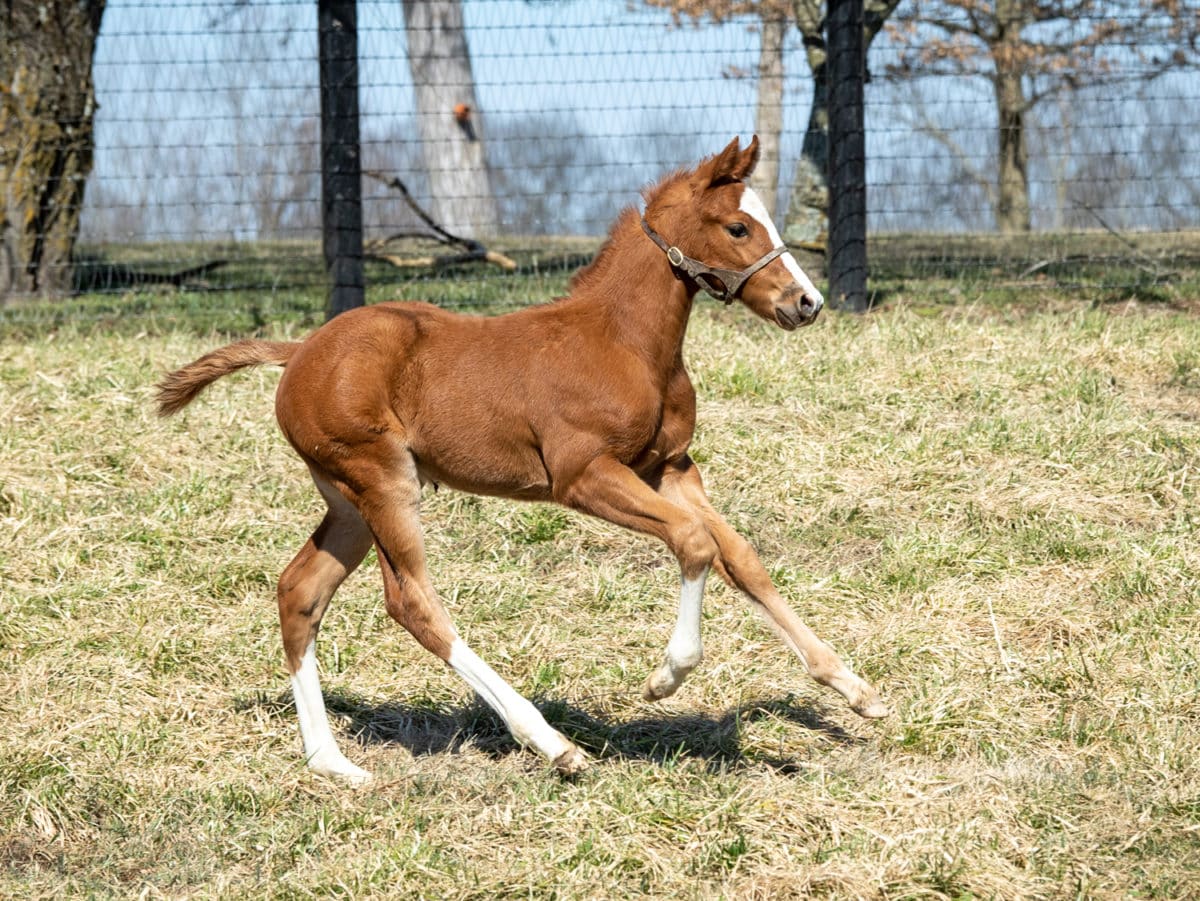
206, 173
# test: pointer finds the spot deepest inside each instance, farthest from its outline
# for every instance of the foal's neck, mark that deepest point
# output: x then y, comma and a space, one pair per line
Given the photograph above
645, 306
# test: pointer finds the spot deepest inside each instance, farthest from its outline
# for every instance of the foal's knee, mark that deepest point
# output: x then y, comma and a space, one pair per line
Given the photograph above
694, 547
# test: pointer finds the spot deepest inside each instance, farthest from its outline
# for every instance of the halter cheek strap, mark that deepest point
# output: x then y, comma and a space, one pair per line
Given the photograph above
730, 280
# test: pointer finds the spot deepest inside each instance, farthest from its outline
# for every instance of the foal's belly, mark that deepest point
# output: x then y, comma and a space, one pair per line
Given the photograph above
494, 481
495, 462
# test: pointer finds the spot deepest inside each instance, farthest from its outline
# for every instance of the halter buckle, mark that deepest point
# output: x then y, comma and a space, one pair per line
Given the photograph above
675, 256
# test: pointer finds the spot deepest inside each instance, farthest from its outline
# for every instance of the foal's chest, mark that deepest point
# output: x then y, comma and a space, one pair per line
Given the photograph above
676, 425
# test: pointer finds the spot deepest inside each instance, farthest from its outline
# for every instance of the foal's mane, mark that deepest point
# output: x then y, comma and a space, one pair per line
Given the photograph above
627, 222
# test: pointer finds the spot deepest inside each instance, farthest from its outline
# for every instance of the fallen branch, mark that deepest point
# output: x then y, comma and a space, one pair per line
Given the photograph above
431, 262
818, 246
1149, 266
473, 251
95, 274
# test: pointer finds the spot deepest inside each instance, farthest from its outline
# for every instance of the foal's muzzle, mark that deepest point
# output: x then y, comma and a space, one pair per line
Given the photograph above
797, 309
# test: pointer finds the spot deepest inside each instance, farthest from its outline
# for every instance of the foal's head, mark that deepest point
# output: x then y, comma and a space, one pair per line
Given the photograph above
716, 232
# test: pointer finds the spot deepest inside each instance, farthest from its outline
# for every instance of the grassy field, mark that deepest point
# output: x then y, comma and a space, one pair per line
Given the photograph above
992, 512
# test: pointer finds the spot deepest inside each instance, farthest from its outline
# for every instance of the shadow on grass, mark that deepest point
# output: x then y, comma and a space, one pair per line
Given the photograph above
662, 739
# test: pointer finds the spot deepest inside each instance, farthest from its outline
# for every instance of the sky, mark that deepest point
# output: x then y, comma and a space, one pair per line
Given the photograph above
208, 111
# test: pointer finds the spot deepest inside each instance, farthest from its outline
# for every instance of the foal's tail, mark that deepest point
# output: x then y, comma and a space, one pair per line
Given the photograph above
180, 387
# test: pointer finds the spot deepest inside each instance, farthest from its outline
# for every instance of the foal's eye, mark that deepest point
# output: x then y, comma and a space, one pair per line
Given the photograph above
737, 230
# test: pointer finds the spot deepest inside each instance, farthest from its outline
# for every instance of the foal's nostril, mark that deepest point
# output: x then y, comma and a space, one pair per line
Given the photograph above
811, 305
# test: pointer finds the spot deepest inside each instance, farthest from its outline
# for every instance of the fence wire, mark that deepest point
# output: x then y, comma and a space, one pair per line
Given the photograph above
207, 147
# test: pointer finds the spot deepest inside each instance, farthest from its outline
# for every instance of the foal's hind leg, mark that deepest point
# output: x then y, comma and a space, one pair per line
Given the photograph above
392, 513
739, 565
335, 550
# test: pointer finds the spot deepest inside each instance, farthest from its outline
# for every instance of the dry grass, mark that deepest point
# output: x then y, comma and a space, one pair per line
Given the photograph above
993, 517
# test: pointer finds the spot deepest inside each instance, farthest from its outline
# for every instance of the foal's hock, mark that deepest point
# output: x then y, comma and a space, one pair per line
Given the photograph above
584, 402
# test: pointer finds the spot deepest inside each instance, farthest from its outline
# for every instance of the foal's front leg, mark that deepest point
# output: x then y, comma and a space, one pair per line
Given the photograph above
612, 491
685, 649
739, 565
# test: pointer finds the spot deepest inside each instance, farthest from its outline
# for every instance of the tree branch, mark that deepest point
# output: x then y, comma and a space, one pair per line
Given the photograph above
473, 250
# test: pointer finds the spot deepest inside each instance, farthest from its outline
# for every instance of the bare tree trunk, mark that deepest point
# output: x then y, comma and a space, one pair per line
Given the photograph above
47, 104
448, 118
1012, 186
768, 119
1062, 160
808, 203
1012, 178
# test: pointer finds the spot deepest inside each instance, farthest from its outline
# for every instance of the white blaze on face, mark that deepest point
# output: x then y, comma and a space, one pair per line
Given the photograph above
753, 207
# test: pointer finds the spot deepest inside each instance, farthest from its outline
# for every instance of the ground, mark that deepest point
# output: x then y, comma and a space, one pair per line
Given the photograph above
990, 510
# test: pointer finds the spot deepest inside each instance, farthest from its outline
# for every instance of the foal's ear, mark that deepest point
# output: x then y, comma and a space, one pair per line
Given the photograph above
731, 164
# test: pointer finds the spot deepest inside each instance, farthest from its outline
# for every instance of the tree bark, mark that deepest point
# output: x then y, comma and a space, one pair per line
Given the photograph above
47, 106
448, 118
341, 156
768, 119
847, 246
1012, 181
808, 203
1012, 188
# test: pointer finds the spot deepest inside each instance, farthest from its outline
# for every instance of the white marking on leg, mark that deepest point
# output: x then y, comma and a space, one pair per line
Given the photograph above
320, 748
523, 720
753, 206
684, 650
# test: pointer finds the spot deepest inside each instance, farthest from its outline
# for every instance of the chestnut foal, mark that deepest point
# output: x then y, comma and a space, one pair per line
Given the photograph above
584, 402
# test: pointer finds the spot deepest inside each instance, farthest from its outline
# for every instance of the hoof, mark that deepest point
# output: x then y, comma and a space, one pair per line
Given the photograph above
341, 770
571, 762
659, 685
872, 708
665, 681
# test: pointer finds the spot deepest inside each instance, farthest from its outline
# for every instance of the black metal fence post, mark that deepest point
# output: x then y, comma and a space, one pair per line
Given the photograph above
341, 165
847, 158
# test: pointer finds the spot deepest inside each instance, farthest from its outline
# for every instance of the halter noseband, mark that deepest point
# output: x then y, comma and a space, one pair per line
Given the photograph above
730, 280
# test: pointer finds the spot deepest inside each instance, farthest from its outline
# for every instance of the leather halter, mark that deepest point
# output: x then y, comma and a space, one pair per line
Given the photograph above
730, 280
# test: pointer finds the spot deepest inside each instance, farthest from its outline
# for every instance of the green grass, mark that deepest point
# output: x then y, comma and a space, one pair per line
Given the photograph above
992, 511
